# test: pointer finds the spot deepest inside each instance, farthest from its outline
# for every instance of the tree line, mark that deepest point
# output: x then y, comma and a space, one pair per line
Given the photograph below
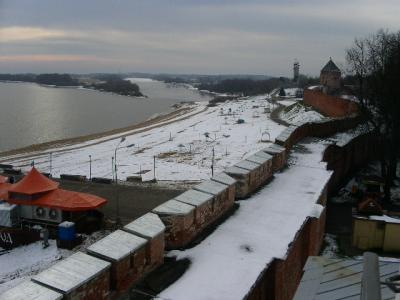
374, 64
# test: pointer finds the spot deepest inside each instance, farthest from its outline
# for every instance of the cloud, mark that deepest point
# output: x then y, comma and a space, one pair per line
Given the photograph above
18, 34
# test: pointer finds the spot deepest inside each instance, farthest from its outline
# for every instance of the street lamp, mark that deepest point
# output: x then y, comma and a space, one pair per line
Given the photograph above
115, 158
90, 167
116, 178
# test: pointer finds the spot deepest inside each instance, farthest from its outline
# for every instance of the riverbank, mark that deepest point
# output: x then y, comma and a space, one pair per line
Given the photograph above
156, 121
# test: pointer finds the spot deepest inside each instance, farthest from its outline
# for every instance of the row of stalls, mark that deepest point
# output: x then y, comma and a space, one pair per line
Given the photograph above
186, 216
108, 268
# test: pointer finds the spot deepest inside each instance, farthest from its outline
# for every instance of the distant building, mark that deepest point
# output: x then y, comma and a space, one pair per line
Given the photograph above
296, 71
330, 78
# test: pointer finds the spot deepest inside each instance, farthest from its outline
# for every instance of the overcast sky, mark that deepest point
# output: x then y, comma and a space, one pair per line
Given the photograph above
185, 36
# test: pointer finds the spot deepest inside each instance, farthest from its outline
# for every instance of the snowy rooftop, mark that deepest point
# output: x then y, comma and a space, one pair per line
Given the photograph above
274, 149
241, 245
237, 171
148, 226
283, 136
194, 197
71, 272
30, 290
248, 165
264, 155
211, 187
224, 179
173, 207
257, 159
117, 245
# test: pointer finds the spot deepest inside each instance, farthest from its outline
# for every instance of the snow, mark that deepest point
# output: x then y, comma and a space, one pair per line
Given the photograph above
298, 114
291, 92
289, 102
136, 80
23, 262
383, 218
228, 262
182, 150
331, 249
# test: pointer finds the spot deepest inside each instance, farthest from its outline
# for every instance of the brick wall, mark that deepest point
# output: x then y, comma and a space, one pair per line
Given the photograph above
96, 289
329, 105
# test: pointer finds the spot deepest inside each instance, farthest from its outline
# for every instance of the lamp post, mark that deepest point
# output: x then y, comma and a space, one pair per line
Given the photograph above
51, 162
90, 167
116, 178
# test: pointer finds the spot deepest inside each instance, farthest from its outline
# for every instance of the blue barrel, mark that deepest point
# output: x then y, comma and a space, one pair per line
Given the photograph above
66, 231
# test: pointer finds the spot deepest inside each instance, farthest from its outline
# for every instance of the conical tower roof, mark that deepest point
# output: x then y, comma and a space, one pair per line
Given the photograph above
33, 183
330, 67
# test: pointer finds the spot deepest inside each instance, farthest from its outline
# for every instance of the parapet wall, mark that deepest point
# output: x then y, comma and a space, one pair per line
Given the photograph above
330, 106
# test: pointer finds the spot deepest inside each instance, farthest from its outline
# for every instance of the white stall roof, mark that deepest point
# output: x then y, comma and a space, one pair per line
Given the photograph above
148, 226
173, 207
257, 159
237, 171
211, 187
286, 134
248, 165
274, 149
194, 197
72, 272
224, 178
263, 155
30, 290
117, 245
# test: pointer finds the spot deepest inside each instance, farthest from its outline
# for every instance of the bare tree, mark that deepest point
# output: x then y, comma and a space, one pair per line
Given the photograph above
375, 63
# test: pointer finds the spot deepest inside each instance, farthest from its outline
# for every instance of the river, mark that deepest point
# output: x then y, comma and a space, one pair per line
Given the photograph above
32, 114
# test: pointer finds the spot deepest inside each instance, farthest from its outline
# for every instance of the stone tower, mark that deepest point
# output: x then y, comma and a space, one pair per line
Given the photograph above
296, 71
330, 77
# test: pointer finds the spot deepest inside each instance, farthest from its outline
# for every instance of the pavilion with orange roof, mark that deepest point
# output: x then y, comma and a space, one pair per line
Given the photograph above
40, 198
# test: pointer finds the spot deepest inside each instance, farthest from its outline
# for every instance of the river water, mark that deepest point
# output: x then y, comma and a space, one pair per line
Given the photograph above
32, 114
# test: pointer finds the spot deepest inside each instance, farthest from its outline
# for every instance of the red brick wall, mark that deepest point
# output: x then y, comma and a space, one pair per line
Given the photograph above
329, 105
96, 289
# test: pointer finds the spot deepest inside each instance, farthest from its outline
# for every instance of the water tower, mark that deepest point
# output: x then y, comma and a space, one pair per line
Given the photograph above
296, 70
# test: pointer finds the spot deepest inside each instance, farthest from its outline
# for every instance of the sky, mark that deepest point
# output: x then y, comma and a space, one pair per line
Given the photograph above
185, 36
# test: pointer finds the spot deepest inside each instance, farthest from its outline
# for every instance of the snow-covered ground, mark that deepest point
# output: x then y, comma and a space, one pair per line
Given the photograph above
228, 262
182, 149
298, 113
23, 262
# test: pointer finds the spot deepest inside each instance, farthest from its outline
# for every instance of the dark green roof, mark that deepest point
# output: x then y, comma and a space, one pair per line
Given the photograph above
330, 67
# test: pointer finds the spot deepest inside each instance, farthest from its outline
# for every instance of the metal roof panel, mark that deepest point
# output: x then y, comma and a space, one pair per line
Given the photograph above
117, 245
30, 290
72, 272
174, 207
194, 197
148, 226
224, 179
211, 187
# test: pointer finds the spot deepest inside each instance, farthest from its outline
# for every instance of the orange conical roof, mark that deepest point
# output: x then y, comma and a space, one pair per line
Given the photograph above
33, 183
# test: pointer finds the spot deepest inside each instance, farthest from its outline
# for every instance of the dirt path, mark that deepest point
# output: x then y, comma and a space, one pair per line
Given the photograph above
114, 134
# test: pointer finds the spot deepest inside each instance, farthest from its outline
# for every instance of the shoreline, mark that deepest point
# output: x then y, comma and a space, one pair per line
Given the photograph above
155, 122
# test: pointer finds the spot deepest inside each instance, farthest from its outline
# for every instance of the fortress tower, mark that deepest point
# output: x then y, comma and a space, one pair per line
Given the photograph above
296, 71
